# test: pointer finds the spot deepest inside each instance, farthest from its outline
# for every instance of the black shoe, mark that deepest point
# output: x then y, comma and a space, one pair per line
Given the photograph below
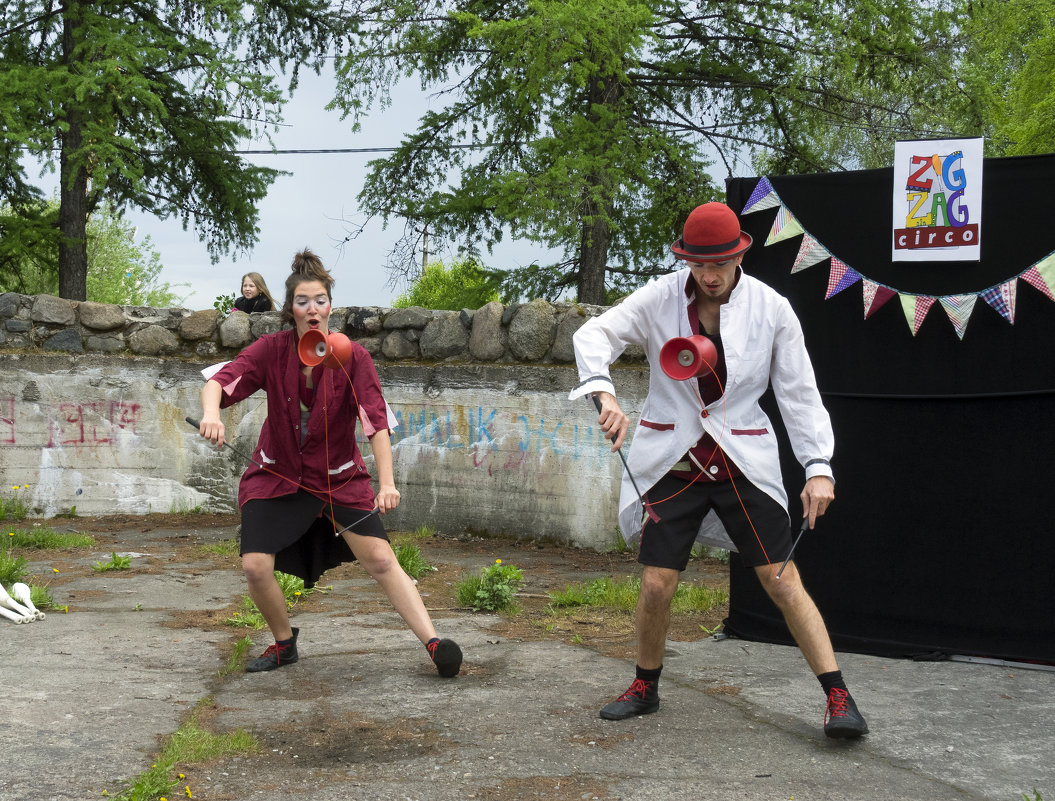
275, 656
841, 718
641, 699
447, 657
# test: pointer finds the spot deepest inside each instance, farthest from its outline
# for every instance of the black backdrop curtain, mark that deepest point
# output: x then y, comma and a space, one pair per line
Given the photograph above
940, 539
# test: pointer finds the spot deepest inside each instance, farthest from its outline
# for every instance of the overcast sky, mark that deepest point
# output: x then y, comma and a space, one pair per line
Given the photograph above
306, 209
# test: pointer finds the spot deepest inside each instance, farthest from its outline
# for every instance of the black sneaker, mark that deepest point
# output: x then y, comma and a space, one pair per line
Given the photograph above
641, 699
447, 657
841, 718
275, 656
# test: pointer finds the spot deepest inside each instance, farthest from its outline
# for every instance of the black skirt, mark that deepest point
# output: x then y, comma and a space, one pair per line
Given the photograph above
300, 530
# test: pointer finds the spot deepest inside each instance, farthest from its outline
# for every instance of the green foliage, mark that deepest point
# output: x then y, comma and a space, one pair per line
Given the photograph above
41, 596
190, 744
621, 595
412, 561
224, 303
12, 568
237, 658
606, 592
144, 105
465, 284
120, 270
1007, 93
14, 506
116, 563
228, 547
249, 615
590, 126
47, 539
490, 590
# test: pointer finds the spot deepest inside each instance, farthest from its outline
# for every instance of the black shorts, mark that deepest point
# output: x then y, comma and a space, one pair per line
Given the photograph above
299, 530
762, 535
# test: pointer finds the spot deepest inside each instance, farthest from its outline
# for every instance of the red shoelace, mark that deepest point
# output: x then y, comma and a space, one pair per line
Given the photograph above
275, 650
836, 704
637, 690
432, 649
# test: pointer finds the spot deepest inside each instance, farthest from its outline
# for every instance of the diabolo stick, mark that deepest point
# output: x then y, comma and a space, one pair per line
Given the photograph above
805, 525
640, 497
226, 444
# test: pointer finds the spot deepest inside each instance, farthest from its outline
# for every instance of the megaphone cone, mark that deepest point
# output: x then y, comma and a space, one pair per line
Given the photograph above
312, 348
688, 357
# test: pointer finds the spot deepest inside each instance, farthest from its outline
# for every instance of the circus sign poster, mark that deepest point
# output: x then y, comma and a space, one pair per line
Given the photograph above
937, 200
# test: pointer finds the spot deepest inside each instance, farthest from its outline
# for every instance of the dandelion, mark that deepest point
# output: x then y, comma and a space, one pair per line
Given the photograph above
182, 777
15, 488
10, 533
54, 570
186, 789
163, 799
498, 561
297, 592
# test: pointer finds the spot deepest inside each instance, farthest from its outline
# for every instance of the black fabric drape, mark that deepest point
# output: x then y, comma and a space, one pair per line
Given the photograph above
939, 540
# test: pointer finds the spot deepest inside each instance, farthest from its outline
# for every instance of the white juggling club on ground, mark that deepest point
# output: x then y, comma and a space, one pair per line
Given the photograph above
14, 606
25, 597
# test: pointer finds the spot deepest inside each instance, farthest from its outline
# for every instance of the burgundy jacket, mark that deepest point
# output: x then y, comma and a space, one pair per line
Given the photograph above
328, 463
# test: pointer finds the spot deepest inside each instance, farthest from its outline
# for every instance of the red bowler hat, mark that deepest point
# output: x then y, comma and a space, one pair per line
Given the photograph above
712, 233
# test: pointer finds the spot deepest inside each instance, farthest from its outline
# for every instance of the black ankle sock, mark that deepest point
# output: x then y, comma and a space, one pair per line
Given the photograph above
649, 675
430, 642
832, 680
290, 641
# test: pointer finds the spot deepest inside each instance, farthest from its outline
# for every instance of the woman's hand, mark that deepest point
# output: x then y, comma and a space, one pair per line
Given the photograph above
387, 498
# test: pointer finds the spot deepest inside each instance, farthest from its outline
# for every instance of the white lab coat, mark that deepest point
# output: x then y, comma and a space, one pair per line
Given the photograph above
763, 343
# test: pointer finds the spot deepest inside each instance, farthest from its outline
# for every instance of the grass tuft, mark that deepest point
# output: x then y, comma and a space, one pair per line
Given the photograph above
621, 595
47, 539
12, 568
412, 561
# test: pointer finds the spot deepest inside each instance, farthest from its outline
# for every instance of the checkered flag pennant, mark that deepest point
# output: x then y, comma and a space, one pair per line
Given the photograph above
762, 197
959, 308
785, 226
1042, 276
1002, 299
840, 277
875, 295
810, 252
916, 308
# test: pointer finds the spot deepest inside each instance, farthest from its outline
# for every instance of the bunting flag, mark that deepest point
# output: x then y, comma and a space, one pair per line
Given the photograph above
916, 308
840, 277
875, 295
763, 197
1041, 275
785, 226
959, 308
1002, 299
810, 252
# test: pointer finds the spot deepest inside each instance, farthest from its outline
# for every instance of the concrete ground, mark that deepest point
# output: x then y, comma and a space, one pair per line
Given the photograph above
89, 696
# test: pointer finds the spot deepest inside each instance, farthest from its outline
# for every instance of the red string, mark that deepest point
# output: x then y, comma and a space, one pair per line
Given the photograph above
717, 449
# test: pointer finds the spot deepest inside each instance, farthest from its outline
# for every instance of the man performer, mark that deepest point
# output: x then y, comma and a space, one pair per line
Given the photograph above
704, 445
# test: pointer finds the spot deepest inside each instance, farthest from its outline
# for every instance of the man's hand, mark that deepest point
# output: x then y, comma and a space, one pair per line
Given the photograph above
612, 420
816, 497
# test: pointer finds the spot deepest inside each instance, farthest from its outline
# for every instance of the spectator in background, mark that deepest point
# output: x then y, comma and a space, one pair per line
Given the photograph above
255, 297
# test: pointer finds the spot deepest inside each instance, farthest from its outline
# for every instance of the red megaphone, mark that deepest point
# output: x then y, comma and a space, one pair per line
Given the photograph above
688, 357
332, 350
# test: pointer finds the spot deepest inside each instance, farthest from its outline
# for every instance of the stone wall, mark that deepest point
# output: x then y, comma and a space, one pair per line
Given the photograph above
93, 399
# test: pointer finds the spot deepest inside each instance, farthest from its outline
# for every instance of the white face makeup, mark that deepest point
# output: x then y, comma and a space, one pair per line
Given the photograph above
311, 307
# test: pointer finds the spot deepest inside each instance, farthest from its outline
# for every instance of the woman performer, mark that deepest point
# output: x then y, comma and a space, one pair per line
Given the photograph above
309, 483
